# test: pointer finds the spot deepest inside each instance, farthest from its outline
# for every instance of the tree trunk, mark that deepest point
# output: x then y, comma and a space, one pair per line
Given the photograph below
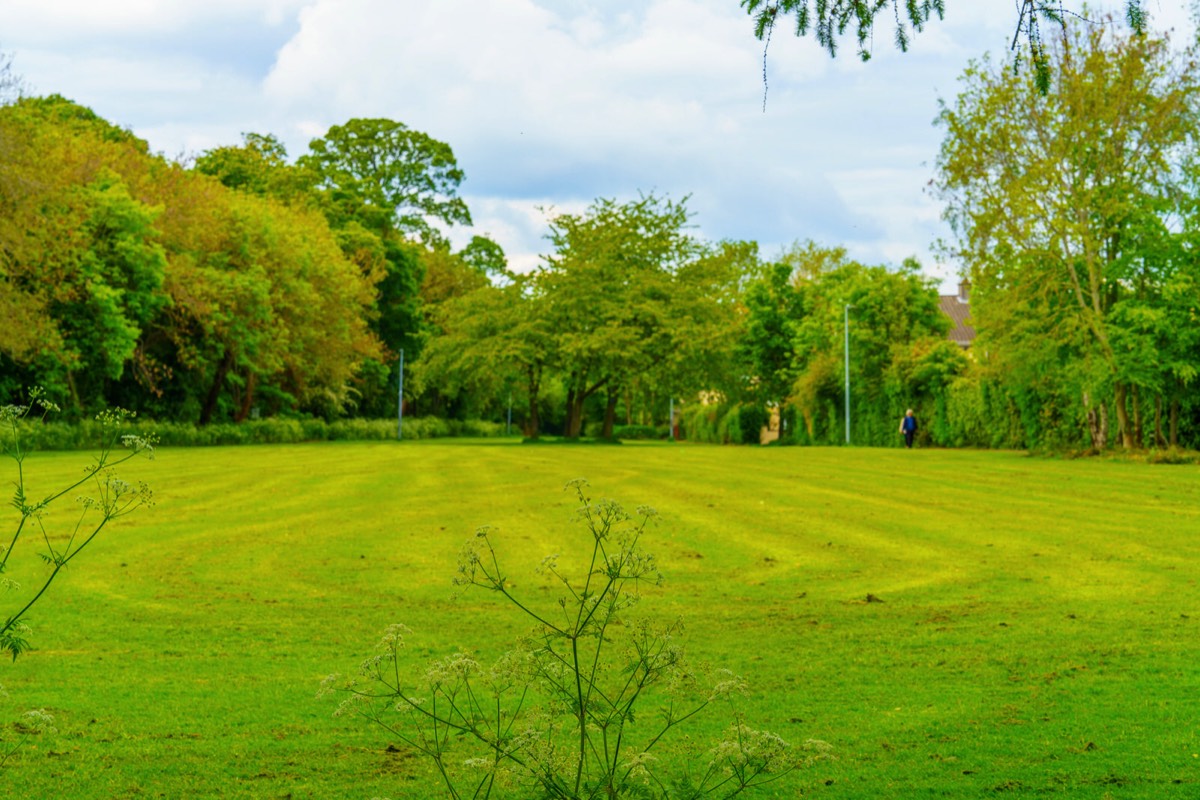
1135, 400
1123, 428
1174, 423
214, 391
533, 423
1160, 441
610, 413
247, 399
74, 390
575, 415
1094, 422
569, 423
1103, 425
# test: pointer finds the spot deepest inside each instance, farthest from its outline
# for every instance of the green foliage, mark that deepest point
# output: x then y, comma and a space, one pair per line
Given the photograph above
829, 20
751, 420
390, 176
1073, 308
595, 430
796, 326
130, 280
631, 297
724, 423
699, 422
586, 706
61, 436
641, 432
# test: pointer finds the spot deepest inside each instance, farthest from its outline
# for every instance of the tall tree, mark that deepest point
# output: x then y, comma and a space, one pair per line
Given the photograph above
490, 341
1064, 207
398, 178
610, 284
386, 189
259, 166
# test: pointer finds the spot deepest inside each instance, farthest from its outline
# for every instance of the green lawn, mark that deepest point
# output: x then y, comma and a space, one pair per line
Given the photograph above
1038, 635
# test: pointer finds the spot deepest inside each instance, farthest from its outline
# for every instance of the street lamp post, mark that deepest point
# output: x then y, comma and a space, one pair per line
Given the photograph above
846, 330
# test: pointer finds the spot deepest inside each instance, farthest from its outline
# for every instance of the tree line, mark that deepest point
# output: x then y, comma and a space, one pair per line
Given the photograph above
246, 283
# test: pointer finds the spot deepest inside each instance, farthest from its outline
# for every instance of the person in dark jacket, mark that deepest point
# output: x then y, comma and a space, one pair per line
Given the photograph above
908, 427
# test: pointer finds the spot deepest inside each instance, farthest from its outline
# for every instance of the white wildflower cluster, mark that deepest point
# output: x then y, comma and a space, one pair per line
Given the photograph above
353, 704
144, 444
393, 637
451, 670
608, 517
744, 746
469, 558
114, 417
12, 413
329, 684
408, 705
39, 721
515, 667
817, 750
728, 685
638, 766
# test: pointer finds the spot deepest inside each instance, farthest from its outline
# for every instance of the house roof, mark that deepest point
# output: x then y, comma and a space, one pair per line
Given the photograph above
959, 312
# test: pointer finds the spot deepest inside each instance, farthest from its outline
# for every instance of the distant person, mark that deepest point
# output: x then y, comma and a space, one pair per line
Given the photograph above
908, 426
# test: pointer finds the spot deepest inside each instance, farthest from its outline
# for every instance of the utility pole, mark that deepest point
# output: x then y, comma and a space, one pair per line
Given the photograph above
400, 400
846, 329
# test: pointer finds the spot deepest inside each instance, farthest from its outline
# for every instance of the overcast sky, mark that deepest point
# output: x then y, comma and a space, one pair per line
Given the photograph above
549, 104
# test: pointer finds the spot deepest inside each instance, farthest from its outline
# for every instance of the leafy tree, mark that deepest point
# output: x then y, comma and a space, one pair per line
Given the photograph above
113, 289
486, 257
397, 178
493, 339
259, 166
82, 267
383, 187
792, 341
263, 300
622, 297
448, 277
1064, 209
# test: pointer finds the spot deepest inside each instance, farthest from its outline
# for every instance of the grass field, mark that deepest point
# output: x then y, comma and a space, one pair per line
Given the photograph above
1038, 635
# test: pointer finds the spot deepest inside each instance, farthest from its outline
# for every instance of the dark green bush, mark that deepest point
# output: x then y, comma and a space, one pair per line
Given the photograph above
83, 435
752, 419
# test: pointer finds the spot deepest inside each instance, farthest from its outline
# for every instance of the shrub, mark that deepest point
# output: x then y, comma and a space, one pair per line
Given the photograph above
752, 419
633, 432
729, 428
563, 713
42, 435
111, 499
